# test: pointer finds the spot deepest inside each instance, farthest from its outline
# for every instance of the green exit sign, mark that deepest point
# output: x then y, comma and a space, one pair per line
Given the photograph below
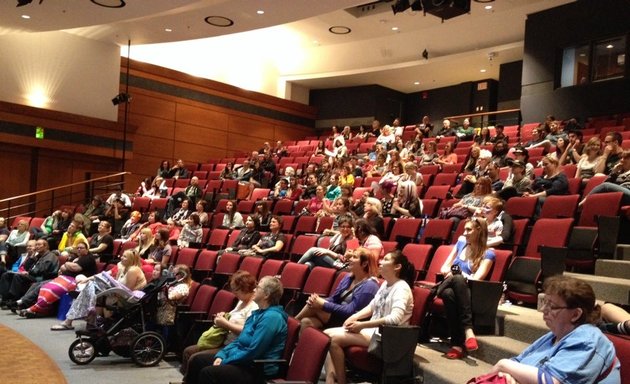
39, 133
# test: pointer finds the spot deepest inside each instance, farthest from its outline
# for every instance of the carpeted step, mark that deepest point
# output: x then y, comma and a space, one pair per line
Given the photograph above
611, 289
494, 348
613, 268
520, 323
437, 369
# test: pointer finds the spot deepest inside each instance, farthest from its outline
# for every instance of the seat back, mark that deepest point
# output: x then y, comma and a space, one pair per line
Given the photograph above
437, 232
203, 298
319, 281
293, 332
294, 275
224, 301
301, 244
418, 255
501, 263
251, 265
187, 256
309, 355
599, 204
218, 238
408, 228
549, 232
559, 206
270, 268
228, 263
521, 207
305, 224
440, 256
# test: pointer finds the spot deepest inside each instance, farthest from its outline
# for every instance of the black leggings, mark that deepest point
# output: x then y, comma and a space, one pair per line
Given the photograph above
456, 297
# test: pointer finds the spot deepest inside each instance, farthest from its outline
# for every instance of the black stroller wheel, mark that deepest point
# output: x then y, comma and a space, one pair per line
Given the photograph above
82, 351
148, 349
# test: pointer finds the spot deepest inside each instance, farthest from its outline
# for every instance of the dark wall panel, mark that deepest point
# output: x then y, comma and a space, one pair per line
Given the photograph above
547, 33
510, 81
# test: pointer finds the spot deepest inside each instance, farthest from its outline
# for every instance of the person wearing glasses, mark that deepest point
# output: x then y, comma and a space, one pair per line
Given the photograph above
83, 263
575, 350
470, 259
333, 256
618, 180
263, 337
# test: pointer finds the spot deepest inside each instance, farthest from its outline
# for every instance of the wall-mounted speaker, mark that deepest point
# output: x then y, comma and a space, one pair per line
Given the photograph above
446, 9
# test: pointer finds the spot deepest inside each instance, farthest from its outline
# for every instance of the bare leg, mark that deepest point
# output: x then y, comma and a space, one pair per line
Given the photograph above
335, 362
614, 314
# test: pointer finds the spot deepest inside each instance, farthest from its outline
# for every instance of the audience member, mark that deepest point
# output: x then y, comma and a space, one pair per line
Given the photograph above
248, 236
466, 131
354, 292
270, 245
392, 305
101, 244
618, 180
164, 169
612, 153
232, 218
179, 170
499, 135
263, 337
589, 160
574, 351
242, 284
161, 252
407, 203
373, 214
446, 130
334, 255
517, 181
191, 232
470, 259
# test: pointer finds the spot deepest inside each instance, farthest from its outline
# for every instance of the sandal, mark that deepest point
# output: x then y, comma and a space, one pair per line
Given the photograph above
61, 327
454, 354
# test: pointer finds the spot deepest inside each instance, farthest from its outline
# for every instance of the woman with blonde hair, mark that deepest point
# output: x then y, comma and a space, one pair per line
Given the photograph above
145, 243
373, 209
470, 259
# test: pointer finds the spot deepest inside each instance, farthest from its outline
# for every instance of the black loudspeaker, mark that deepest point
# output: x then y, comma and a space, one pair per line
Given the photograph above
446, 9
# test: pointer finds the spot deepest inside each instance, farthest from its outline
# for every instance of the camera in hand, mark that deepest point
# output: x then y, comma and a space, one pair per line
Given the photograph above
456, 269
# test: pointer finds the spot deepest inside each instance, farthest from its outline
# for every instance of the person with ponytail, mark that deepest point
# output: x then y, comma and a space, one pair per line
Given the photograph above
392, 305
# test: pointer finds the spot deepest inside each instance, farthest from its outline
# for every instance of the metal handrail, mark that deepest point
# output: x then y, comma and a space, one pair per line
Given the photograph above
35, 197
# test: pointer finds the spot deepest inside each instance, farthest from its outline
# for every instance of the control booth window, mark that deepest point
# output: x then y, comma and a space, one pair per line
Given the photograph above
596, 61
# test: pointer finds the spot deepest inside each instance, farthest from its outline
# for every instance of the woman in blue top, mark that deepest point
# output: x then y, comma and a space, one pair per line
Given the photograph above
263, 337
474, 260
334, 190
354, 292
575, 351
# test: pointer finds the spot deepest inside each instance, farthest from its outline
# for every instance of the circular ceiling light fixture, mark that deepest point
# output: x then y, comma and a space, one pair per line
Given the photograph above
219, 21
339, 30
110, 3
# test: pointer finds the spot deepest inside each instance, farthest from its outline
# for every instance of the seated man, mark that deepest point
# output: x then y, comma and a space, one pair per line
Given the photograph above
178, 171
10, 248
71, 238
24, 262
45, 268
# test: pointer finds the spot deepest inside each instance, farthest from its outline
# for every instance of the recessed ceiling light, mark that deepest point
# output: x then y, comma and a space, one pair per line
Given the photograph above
482, 70
339, 30
487, 7
609, 46
26, 17
416, 83
168, 30
219, 21
110, 3
394, 28
582, 54
260, 12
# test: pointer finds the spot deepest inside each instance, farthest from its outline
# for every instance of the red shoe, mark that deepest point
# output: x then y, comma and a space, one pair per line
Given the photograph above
471, 344
454, 354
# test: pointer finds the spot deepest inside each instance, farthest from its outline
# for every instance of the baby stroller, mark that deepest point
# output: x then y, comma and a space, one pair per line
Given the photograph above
125, 333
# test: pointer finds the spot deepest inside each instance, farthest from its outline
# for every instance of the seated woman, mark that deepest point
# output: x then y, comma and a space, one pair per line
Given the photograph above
191, 233
242, 284
429, 154
102, 243
553, 182
263, 337
618, 180
333, 256
574, 351
449, 157
407, 203
228, 172
316, 204
161, 252
128, 276
49, 293
339, 209
354, 292
146, 243
200, 210
270, 246
392, 305
232, 218
261, 209
373, 214
471, 201
181, 215
367, 236
247, 237
470, 259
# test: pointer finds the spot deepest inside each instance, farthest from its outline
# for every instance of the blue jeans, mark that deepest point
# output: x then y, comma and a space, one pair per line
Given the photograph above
612, 187
313, 260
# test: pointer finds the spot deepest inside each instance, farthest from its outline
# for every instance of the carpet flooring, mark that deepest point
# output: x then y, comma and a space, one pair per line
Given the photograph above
26, 362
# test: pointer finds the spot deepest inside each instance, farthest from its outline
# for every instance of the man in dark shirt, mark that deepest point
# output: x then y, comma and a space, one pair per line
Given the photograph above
612, 153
